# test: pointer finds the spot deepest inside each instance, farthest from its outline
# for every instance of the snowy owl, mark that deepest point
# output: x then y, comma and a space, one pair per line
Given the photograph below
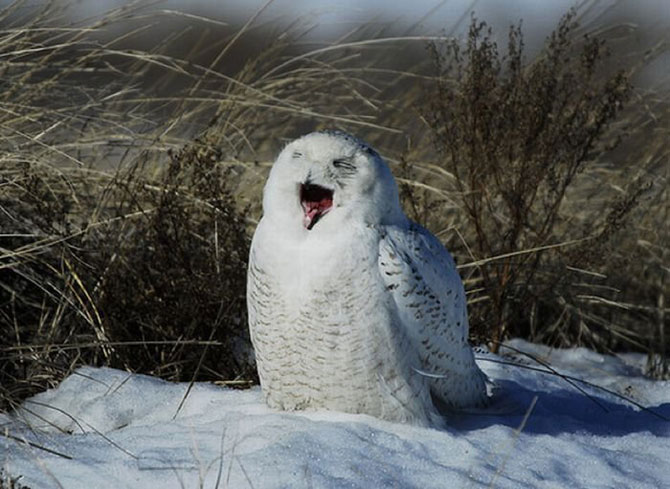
352, 306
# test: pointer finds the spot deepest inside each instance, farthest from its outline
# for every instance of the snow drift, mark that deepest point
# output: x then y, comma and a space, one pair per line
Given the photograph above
106, 428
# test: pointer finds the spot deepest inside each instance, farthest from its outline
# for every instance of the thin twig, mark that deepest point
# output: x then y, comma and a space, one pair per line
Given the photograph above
35, 445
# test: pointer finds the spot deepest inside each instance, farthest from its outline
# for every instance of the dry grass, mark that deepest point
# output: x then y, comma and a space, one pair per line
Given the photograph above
130, 179
548, 222
515, 136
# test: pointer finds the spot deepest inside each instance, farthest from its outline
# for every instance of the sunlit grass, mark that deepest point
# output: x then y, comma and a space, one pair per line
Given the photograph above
130, 179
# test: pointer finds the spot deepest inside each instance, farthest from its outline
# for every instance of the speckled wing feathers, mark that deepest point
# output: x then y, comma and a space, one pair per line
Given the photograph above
428, 292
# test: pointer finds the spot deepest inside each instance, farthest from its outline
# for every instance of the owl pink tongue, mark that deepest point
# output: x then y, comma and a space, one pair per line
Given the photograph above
314, 211
316, 201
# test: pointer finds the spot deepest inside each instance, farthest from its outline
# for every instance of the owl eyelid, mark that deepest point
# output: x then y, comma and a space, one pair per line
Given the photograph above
344, 163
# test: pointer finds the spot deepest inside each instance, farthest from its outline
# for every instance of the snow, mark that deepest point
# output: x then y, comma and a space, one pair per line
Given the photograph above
112, 429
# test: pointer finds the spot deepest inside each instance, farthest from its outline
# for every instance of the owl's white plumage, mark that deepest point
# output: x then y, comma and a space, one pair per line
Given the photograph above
352, 306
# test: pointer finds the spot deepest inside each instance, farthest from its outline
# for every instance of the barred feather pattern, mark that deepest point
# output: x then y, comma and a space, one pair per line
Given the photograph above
342, 348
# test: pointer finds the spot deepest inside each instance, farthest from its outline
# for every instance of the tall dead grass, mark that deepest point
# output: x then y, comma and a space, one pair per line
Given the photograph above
128, 183
545, 219
130, 179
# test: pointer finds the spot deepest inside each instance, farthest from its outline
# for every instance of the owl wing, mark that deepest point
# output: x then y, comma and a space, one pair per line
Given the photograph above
427, 290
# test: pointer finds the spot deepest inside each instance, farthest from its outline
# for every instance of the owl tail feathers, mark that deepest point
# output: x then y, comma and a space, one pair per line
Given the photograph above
458, 392
410, 405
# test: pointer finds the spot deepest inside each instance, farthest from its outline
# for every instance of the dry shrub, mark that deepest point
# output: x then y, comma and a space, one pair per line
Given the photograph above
173, 278
519, 141
157, 288
142, 267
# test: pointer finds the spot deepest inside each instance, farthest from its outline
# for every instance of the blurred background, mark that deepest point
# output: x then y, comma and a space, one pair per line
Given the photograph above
329, 21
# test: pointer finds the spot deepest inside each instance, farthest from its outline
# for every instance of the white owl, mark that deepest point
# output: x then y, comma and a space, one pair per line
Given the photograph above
352, 306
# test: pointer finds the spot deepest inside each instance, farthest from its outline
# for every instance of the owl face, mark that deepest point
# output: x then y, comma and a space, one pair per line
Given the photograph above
325, 179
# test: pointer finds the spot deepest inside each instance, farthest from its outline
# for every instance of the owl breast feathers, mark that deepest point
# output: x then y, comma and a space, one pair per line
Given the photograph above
352, 306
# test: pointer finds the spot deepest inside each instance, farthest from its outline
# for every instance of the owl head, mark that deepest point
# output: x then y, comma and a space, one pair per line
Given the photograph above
328, 179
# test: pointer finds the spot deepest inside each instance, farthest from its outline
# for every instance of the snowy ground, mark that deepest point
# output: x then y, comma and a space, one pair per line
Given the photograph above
115, 430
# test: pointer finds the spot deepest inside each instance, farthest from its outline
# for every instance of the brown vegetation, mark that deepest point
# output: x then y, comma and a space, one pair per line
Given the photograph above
516, 136
130, 181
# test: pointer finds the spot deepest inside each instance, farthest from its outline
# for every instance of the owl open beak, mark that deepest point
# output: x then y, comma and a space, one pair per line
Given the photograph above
316, 201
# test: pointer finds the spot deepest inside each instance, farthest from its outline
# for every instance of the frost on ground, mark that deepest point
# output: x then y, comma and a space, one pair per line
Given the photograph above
105, 428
